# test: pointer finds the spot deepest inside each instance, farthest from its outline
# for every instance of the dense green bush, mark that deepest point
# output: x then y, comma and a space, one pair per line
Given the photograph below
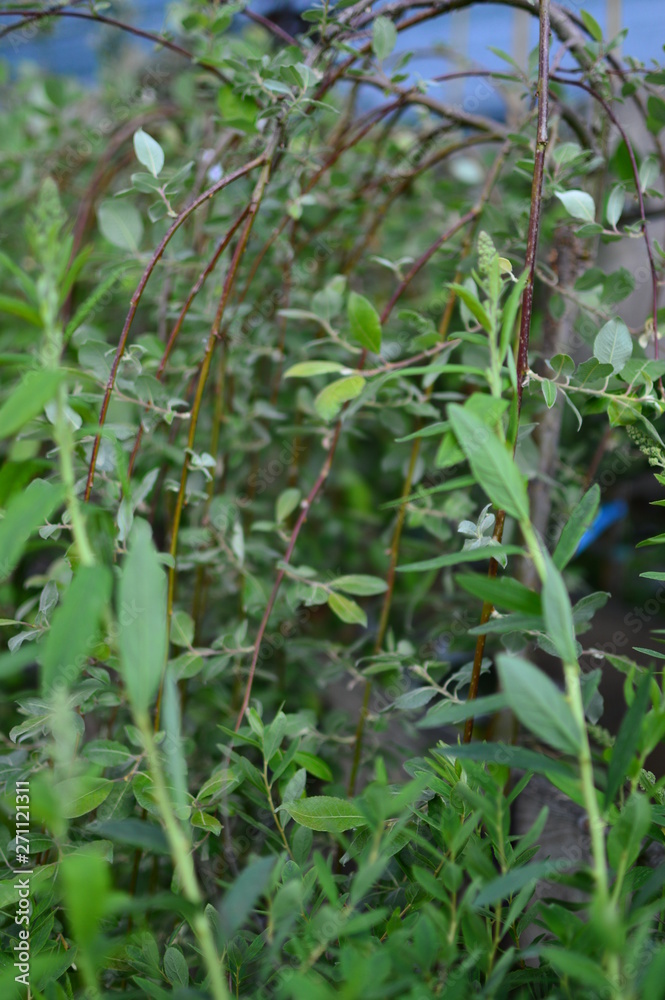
278, 325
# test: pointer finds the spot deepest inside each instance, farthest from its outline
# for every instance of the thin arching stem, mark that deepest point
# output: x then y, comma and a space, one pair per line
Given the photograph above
196, 288
136, 297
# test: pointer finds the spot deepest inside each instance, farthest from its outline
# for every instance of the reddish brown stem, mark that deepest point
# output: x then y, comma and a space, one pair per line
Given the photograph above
36, 15
196, 288
136, 298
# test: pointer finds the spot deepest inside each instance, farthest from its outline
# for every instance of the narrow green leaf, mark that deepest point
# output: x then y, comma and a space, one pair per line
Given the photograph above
240, 898
615, 203
25, 513
314, 765
463, 556
503, 592
510, 311
627, 740
365, 322
307, 369
75, 626
175, 764
347, 610
558, 613
474, 306
592, 26
141, 611
450, 713
28, 399
538, 703
17, 307
549, 391
576, 526
491, 464
330, 400
325, 813
360, 585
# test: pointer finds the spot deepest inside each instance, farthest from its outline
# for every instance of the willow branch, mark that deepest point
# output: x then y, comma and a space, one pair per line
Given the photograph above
136, 298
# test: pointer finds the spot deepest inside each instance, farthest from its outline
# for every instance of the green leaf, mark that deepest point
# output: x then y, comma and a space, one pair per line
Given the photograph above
562, 365
330, 400
627, 740
325, 813
474, 306
507, 885
175, 764
558, 613
86, 884
75, 626
450, 713
25, 513
613, 344
510, 311
121, 224
364, 320
360, 585
107, 753
28, 399
78, 796
576, 526
549, 392
507, 755
592, 26
182, 629
17, 307
347, 610
491, 464
307, 369
502, 592
237, 111
142, 640
175, 967
592, 371
615, 203
148, 152
538, 703
239, 899
287, 502
463, 556
384, 37
625, 838
579, 204
580, 968
314, 765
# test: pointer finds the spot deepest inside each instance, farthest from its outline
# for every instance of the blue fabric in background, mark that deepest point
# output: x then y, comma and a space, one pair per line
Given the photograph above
70, 46
610, 513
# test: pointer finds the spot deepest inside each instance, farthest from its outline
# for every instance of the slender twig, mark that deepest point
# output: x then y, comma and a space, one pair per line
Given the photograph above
35, 15
213, 337
196, 288
136, 298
